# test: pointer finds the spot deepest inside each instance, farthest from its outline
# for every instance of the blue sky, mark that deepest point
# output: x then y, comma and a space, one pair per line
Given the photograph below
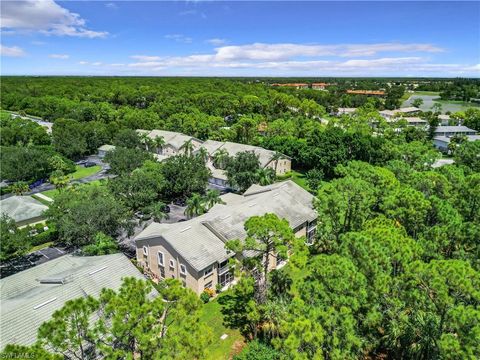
46, 37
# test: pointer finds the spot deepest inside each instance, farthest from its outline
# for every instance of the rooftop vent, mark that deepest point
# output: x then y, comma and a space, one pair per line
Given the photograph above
252, 204
98, 270
187, 228
44, 303
52, 281
225, 217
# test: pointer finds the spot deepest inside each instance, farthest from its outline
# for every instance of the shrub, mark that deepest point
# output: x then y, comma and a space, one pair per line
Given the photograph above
205, 297
51, 235
210, 292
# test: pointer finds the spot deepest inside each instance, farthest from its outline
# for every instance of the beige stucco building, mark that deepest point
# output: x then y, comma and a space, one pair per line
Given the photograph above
173, 142
194, 251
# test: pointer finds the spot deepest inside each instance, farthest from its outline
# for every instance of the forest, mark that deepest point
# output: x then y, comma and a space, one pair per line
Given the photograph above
393, 273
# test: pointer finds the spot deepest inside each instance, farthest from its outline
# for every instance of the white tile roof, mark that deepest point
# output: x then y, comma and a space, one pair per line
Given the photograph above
22, 208
26, 303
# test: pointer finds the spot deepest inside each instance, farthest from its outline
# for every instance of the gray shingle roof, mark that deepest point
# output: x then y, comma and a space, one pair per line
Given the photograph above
21, 208
22, 294
200, 241
459, 128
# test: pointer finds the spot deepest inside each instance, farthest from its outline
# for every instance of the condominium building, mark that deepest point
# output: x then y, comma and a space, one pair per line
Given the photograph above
194, 251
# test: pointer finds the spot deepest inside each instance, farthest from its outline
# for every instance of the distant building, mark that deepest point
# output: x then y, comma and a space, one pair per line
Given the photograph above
265, 157
293, 85
104, 149
415, 121
320, 86
453, 130
389, 114
30, 297
378, 93
442, 142
444, 119
347, 111
25, 210
194, 251
173, 141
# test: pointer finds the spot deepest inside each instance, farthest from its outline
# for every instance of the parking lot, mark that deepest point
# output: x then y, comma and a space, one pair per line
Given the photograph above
30, 260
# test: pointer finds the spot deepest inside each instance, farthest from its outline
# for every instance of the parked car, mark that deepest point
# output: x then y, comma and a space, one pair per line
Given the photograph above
89, 164
180, 202
166, 209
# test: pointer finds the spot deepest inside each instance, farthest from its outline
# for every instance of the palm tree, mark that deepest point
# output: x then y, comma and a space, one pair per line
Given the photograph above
145, 140
265, 176
203, 154
220, 158
187, 147
157, 211
159, 143
277, 156
211, 198
59, 179
20, 188
195, 205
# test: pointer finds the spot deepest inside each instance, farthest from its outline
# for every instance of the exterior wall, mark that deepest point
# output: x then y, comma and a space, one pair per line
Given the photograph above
284, 166
169, 150
150, 262
441, 145
194, 280
32, 221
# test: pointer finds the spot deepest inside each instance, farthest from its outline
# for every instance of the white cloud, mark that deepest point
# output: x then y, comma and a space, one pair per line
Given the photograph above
217, 41
145, 58
111, 5
59, 56
283, 51
38, 43
44, 16
179, 38
11, 51
83, 62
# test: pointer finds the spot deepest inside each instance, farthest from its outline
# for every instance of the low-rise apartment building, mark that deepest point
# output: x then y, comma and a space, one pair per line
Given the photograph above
266, 158
174, 142
453, 130
194, 251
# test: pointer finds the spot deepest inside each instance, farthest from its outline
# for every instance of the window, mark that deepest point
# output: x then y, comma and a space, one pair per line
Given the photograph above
183, 269
208, 285
145, 250
208, 271
162, 273
172, 263
161, 258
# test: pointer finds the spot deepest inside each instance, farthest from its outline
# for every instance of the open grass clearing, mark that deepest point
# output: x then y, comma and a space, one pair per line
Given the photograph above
220, 349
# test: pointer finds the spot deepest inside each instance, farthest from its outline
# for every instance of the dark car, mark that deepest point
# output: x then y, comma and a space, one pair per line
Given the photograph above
180, 202
89, 164
166, 209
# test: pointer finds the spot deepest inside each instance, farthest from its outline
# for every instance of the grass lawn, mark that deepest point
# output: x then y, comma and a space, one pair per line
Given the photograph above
299, 179
81, 172
40, 247
220, 349
407, 95
54, 192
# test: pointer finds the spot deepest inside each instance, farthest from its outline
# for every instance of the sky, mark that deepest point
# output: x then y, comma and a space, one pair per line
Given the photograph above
241, 38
